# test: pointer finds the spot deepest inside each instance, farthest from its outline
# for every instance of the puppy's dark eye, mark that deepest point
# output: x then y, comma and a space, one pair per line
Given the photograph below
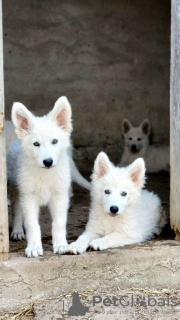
139, 139
130, 138
124, 194
107, 191
55, 141
36, 144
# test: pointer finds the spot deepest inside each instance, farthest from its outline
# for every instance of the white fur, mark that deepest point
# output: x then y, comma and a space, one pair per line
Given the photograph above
155, 157
139, 214
38, 185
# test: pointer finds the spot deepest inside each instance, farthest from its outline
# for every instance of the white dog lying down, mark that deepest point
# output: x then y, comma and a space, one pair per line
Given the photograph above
136, 144
121, 212
41, 168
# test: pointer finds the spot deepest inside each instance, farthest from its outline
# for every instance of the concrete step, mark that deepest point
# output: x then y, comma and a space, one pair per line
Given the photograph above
154, 265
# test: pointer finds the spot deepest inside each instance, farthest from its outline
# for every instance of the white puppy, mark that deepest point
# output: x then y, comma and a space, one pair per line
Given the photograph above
121, 212
136, 144
41, 168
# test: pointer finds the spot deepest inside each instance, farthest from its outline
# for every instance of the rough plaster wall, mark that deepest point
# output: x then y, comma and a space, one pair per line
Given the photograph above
111, 59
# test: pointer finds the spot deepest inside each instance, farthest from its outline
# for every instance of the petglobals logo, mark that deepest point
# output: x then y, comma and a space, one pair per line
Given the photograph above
131, 300
74, 307
77, 308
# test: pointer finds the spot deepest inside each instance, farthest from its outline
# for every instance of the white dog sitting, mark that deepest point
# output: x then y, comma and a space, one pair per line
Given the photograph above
136, 144
121, 212
41, 168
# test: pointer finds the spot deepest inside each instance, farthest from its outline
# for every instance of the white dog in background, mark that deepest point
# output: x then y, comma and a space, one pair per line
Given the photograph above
121, 212
41, 168
136, 144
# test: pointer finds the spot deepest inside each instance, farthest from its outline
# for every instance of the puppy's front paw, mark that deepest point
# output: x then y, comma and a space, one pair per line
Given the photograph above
17, 235
98, 244
60, 249
33, 251
75, 248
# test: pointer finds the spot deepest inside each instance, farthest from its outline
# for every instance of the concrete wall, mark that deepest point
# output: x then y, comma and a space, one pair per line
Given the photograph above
110, 58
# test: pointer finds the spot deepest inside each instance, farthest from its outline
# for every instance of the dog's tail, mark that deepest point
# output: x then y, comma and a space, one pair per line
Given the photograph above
78, 178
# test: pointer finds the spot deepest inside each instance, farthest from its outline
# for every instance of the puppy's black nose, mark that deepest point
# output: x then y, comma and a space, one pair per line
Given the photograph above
48, 162
114, 209
133, 148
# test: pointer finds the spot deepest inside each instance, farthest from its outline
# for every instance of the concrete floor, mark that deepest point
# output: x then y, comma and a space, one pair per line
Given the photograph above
38, 285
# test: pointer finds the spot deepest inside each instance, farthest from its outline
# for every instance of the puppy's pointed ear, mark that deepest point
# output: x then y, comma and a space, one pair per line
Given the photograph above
137, 172
22, 119
145, 126
62, 114
102, 165
126, 126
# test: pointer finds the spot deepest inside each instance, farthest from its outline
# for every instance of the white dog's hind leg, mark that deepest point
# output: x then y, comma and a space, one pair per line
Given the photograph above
17, 222
59, 209
32, 227
112, 240
82, 243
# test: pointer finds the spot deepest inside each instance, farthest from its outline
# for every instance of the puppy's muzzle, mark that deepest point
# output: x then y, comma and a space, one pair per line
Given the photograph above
48, 162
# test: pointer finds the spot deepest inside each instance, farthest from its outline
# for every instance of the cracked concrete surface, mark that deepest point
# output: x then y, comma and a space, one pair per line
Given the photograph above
153, 265
128, 305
